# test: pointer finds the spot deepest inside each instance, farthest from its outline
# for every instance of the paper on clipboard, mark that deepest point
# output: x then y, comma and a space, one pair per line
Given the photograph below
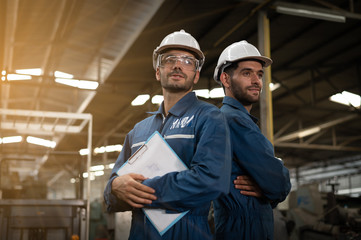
155, 158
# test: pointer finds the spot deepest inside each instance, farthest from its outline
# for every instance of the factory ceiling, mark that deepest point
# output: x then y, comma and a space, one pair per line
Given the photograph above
110, 43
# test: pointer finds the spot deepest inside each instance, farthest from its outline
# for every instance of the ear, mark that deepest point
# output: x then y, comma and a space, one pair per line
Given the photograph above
225, 79
196, 77
157, 74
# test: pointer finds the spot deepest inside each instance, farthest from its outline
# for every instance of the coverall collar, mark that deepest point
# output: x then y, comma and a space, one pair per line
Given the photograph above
180, 107
236, 104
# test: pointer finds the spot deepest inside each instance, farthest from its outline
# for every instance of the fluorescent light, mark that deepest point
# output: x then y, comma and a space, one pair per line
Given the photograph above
59, 74
111, 166
109, 148
202, 93
98, 173
41, 142
84, 151
30, 71
65, 81
103, 149
92, 175
3, 72
308, 132
274, 86
311, 12
14, 77
157, 99
13, 139
216, 93
347, 98
82, 84
349, 191
140, 100
97, 168
91, 85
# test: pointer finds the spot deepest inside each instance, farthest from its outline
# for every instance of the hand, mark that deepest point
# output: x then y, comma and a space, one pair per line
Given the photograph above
129, 189
247, 186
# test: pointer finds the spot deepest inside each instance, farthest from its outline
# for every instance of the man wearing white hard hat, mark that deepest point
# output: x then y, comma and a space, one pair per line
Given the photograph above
247, 214
197, 132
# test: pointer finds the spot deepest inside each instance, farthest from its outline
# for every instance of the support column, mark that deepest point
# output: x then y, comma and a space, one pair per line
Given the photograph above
264, 46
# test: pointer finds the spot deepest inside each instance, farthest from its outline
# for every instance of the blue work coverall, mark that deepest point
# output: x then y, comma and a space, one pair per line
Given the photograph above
198, 133
243, 217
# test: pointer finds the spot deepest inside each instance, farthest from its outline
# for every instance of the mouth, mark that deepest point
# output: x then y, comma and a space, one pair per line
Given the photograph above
177, 75
254, 90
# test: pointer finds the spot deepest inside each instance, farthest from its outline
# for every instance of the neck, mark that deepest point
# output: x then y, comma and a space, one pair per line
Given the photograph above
248, 107
170, 99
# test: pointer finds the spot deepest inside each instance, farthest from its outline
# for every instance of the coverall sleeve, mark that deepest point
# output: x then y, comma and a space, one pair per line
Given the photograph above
112, 202
209, 172
254, 153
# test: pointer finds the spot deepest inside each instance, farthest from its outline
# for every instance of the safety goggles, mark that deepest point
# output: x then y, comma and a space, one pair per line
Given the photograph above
186, 62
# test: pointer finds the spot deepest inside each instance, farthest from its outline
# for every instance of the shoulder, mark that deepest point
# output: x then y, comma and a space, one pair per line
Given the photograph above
205, 106
145, 122
236, 116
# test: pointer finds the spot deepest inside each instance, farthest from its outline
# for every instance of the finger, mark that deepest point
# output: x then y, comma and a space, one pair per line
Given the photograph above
137, 177
140, 193
243, 177
135, 198
144, 188
251, 194
245, 187
243, 182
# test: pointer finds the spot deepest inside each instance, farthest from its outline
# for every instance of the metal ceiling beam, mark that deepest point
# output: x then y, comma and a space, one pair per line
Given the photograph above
243, 21
317, 147
348, 14
315, 129
48, 52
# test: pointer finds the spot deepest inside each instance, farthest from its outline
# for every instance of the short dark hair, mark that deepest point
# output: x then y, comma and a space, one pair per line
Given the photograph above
230, 68
234, 65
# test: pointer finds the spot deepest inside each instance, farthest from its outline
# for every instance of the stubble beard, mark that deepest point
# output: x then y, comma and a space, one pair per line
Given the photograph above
242, 96
175, 87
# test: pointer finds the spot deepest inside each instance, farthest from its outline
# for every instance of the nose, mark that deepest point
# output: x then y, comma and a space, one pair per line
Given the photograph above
178, 63
256, 79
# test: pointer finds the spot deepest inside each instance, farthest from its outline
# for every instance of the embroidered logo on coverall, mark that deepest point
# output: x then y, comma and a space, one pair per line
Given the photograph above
181, 122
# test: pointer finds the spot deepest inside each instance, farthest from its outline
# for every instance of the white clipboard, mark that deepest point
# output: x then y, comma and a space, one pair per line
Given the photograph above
155, 158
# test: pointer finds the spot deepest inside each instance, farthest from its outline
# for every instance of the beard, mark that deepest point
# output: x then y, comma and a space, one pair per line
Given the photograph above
242, 95
175, 86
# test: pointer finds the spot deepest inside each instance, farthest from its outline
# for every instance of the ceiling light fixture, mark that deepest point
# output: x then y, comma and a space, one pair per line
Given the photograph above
59, 74
274, 86
347, 98
12, 139
30, 71
157, 99
16, 77
82, 84
102, 149
310, 12
109, 148
308, 132
216, 93
41, 142
140, 100
202, 93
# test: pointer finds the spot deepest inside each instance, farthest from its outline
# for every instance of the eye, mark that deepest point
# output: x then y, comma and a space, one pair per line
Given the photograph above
246, 73
169, 60
188, 61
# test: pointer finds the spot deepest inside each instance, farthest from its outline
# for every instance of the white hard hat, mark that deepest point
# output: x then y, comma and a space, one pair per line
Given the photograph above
181, 40
238, 51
